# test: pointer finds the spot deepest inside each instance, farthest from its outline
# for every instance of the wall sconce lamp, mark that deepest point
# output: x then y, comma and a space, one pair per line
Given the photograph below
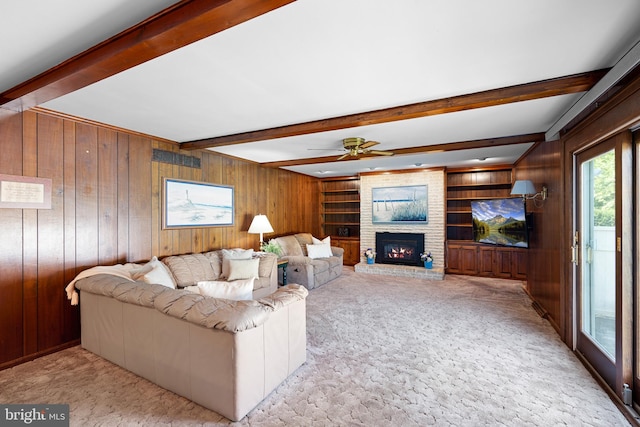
260, 225
526, 189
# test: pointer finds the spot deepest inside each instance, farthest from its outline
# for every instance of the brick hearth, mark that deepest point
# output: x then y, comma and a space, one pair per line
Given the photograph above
400, 271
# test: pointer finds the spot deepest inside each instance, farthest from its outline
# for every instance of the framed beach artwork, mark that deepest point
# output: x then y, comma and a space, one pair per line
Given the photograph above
400, 205
196, 204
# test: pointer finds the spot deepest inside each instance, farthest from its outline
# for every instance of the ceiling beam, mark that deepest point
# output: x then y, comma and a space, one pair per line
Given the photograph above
525, 92
177, 26
463, 145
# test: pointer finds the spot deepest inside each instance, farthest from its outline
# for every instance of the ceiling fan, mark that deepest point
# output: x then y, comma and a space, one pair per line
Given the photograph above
358, 146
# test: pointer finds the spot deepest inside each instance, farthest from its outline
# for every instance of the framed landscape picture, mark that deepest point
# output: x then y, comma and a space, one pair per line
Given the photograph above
407, 204
196, 204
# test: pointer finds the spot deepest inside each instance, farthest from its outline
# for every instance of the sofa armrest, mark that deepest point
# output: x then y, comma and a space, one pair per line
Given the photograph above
336, 251
297, 260
268, 263
284, 296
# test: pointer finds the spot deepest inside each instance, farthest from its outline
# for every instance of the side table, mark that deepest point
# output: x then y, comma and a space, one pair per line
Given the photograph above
283, 265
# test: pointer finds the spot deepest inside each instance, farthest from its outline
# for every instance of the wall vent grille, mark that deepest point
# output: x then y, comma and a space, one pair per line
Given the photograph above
164, 156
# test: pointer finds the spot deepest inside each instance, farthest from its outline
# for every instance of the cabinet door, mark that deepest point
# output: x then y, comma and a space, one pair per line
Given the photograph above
351, 250
453, 259
519, 264
462, 259
486, 260
351, 256
503, 264
469, 257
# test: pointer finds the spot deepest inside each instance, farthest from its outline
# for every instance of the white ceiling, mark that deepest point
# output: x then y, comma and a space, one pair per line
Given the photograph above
318, 59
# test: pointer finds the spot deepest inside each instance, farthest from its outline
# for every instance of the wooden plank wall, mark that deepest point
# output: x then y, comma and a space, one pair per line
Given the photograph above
543, 166
105, 210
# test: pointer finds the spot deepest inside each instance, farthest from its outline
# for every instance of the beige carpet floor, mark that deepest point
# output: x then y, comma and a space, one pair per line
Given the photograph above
382, 351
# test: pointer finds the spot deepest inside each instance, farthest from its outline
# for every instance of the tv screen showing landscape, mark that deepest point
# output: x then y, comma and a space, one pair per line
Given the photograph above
500, 222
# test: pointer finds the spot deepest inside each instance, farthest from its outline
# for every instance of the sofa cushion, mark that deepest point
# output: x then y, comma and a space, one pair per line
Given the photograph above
215, 258
190, 269
304, 239
290, 246
335, 262
228, 254
320, 264
243, 268
267, 262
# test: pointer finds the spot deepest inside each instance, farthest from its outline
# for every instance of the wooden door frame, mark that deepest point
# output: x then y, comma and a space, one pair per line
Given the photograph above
616, 117
624, 352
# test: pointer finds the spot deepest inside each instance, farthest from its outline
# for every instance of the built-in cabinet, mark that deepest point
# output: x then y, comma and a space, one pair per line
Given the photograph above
341, 215
464, 256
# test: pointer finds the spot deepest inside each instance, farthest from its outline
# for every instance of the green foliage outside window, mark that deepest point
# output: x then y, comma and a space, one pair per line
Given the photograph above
604, 189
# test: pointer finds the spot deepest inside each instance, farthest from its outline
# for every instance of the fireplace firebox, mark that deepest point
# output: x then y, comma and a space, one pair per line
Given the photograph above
399, 248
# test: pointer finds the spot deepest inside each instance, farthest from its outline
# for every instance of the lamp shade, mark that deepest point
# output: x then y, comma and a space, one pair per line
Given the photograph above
523, 187
259, 225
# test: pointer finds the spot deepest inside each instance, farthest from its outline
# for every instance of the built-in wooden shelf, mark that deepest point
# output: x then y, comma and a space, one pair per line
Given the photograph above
492, 184
463, 255
341, 215
346, 190
341, 212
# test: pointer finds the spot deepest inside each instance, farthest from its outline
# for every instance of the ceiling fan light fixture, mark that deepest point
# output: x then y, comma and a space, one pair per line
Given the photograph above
352, 142
357, 146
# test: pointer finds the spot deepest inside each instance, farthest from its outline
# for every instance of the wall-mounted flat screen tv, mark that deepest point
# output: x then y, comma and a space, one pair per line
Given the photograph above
500, 222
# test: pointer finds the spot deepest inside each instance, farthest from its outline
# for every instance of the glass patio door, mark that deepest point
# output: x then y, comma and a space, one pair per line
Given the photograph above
604, 302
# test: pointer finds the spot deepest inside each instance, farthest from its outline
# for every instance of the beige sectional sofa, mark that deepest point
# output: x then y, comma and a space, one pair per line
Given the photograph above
189, 269
224, 355
309, 270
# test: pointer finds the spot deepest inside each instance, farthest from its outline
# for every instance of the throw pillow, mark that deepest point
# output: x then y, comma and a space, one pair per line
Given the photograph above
319, 251
228, 254
236, 290
243, 268
154, 272
326, 240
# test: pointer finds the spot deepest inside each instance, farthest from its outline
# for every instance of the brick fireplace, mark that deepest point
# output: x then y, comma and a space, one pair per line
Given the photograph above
432, 232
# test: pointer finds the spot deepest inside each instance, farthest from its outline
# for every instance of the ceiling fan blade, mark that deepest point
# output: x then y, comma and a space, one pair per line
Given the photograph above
368, 144
380, 153
345, 155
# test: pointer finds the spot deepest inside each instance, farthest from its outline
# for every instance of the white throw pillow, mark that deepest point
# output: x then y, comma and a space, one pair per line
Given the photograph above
319, 251
228, 254
243, 268
236, 290
154, 272
326, 240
